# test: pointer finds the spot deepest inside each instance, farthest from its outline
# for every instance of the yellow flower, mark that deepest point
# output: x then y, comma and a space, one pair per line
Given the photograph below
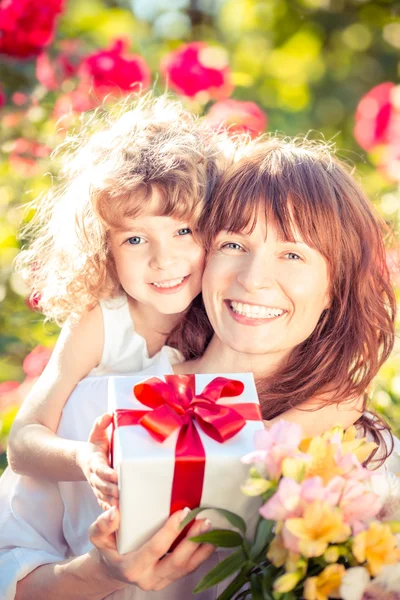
331, 555
377, 546
255, 486
323, 462
294, 468
325, 585
320, 525
287, 582
277, 553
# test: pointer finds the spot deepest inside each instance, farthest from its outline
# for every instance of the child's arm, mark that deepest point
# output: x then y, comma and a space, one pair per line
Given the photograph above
323, 419
34, 448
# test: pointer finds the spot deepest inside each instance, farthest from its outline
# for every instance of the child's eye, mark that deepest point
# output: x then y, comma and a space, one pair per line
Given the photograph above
293, 256
184, 231
135, 240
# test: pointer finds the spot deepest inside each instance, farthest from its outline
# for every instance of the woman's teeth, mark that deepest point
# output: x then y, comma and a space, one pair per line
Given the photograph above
252, 311
169, 284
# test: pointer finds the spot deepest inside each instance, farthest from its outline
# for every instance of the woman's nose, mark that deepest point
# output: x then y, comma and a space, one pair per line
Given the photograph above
257, 272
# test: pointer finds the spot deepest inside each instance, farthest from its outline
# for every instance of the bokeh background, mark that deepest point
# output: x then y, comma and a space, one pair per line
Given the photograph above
328, 67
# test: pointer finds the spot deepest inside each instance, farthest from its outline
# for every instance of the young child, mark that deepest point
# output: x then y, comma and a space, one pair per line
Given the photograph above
115, 260
119, 266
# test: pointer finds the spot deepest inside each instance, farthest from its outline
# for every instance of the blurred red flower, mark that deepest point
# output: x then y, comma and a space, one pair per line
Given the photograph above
110, 70
27, 26
374, 116
25, 154
52, 72
35, 362
8, 386
2, 98
238, 116
197, 67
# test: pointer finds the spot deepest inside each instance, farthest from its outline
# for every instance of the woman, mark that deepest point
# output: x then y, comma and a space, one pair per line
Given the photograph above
297, 291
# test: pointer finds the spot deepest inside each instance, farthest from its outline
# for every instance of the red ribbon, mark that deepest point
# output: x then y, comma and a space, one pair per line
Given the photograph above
175, 405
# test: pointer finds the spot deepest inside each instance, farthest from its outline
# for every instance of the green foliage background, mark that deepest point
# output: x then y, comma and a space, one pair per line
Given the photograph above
307, 63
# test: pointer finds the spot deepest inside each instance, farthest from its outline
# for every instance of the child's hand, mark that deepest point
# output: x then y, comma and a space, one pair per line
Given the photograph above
95, 466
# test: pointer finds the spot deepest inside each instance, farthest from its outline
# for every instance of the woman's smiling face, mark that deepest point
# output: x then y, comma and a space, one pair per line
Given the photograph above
264, 294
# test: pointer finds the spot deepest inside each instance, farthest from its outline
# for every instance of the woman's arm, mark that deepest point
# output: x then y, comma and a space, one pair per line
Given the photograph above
33, 447
103, 571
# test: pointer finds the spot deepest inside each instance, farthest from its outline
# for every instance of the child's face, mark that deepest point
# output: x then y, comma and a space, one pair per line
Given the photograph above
157, 260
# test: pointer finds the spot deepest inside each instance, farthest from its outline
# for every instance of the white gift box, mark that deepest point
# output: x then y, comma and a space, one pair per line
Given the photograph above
145, 466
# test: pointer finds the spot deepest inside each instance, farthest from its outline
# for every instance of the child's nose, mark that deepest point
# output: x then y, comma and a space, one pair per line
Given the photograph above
162, 258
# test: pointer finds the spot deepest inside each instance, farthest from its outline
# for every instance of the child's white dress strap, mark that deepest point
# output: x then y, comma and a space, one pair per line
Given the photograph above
124, 350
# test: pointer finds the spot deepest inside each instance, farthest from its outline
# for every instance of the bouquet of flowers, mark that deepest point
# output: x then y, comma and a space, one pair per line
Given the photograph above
328, 526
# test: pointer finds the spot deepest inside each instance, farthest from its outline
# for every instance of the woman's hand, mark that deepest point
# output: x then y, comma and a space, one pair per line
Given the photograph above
93, 460
150, 567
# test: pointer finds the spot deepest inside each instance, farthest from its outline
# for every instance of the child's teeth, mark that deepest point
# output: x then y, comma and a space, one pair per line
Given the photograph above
170, 283
253, 311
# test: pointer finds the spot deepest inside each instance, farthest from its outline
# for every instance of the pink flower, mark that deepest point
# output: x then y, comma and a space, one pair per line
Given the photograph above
358, 505
2, 98
25, 155
285, 503
113, 69
291, 497
35, 362
274, 445
52, 72
27, 26
378, 117
197, 67
237, 116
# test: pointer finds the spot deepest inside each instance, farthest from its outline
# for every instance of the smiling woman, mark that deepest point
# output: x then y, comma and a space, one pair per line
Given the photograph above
296, 279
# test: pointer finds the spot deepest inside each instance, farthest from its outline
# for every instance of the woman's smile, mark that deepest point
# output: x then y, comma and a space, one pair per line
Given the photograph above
277, 287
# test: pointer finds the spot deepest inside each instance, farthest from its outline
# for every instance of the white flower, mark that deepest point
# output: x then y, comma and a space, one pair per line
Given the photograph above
389, 578
354, 583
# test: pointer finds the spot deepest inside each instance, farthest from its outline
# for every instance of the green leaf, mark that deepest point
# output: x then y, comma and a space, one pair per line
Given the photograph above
231, 517
222, 538
262, 538
234, 562
256, 590
235, 585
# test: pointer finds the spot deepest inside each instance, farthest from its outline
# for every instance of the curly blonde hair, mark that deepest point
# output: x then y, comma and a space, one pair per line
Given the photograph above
110, 169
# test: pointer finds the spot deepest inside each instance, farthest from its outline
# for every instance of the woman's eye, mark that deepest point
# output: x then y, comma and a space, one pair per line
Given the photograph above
231, 246
184, 231
292, 256
135, 240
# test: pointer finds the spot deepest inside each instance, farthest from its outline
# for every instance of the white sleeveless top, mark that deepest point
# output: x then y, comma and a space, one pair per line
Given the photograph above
124, 350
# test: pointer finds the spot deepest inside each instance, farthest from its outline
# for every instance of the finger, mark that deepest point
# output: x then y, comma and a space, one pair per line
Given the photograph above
104, 471
161, 542
178, 562
105, 488
101, 532
105, 502
98, 431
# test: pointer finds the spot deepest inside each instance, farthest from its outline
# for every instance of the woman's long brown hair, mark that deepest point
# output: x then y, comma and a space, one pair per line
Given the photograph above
302, 187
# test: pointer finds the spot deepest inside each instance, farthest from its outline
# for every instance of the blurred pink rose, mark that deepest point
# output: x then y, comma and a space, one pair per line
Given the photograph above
27, 26
197, 67
35, 362
373, 116
112, 70
237, 116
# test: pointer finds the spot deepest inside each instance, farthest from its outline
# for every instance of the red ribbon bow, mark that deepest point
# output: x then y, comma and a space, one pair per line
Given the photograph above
175, 405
